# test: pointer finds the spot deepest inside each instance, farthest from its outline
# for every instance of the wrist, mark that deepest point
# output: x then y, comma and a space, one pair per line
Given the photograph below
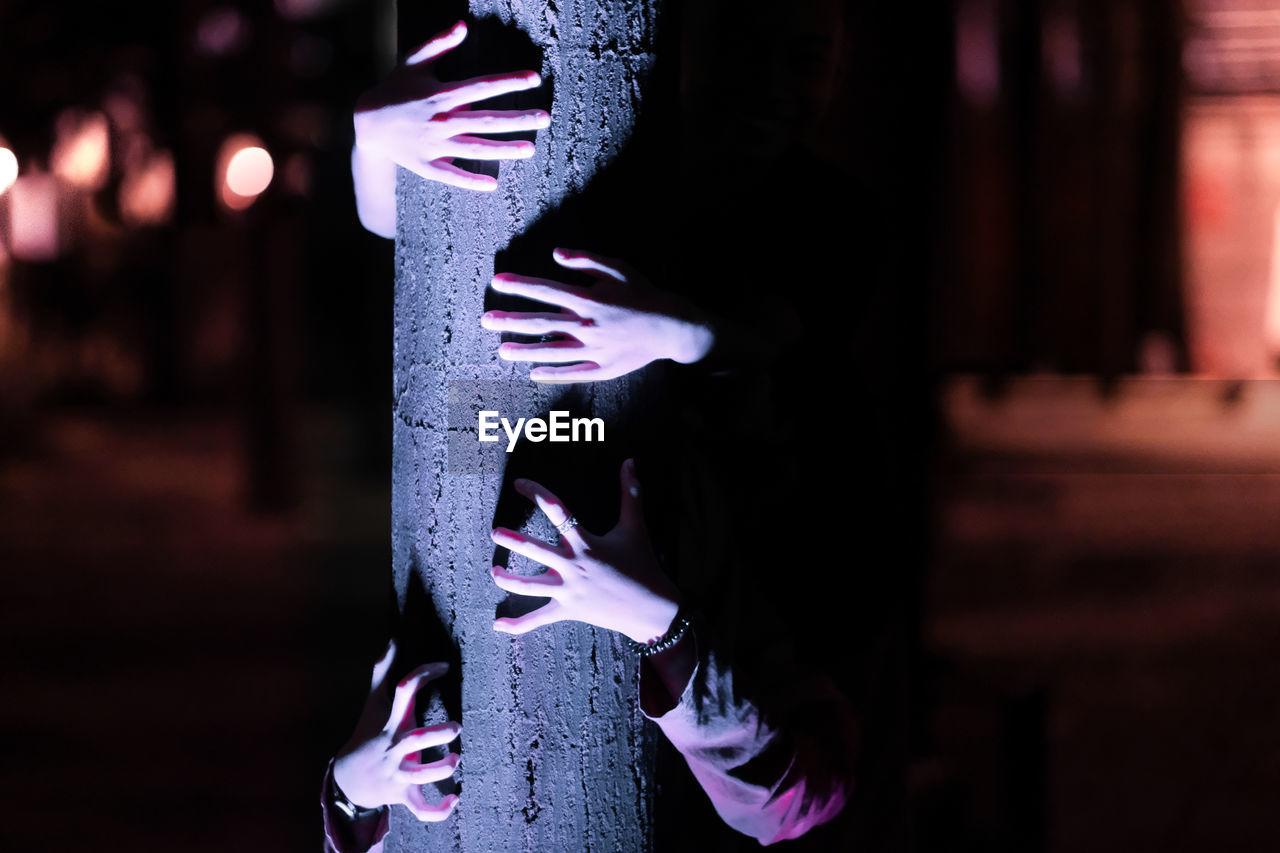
346, 787
362, 127
694, 341
656, 622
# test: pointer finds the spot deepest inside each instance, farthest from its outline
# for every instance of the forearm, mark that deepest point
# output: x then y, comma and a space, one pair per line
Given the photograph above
772, 783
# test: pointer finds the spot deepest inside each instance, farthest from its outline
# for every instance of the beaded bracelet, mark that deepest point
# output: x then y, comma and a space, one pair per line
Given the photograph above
679, 627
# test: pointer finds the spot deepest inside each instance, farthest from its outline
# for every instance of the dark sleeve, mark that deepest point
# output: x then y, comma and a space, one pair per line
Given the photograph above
771, 779
345, 831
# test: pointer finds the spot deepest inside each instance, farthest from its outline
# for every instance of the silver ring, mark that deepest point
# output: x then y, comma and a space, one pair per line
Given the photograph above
567, 525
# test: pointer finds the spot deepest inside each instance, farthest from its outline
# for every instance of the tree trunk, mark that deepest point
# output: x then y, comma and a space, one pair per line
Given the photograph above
555, 754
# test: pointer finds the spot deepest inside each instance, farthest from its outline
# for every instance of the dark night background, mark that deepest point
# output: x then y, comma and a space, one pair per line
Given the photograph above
195, 442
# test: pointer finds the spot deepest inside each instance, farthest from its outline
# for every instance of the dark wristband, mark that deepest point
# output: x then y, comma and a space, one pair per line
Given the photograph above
679, 627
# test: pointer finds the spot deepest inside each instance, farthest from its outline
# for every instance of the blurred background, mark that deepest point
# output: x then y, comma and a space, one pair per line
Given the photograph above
195, 339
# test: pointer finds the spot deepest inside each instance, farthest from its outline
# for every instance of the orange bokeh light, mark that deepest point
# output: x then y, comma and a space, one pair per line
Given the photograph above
82, 153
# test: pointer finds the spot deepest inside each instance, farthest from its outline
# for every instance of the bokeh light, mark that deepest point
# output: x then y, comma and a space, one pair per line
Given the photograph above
245, 171
147, 193
8, 169
33, 218
82, 152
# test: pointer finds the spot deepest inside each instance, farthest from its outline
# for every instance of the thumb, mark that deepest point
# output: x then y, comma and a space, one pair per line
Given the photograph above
632, 514
438, 45
383, 666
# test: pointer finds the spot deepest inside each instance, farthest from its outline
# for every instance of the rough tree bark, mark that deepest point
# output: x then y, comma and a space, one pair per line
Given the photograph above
555, 753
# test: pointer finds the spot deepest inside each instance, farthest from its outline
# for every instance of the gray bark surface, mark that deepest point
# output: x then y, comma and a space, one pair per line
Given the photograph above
555, 754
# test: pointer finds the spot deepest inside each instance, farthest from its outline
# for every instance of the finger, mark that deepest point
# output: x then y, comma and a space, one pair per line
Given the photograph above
494, 121
425, 738
547, 614
543, 290
587, 371
402, 702
475, 148
539, 552
482, 88
552, 507
427, 812
446, 173
439, 45
576, 260
544, 585
383, 666
552, 352
632, 512
533, 322
413, 773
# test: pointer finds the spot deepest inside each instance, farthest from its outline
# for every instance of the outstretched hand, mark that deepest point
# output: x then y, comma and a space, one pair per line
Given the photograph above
380, 764
611, 581
417, 121
618, 324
